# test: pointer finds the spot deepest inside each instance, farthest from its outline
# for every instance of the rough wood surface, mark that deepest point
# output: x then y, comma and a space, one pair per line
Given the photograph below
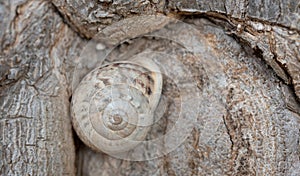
271, 28
36, 46
88, 17
268, 27
249, 121
285, 13
244, 124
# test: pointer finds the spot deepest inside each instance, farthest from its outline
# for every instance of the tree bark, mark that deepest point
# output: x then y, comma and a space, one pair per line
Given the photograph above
36, 133
246, 69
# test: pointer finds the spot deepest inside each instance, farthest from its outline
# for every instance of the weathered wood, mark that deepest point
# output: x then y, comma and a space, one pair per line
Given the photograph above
36, 49
271, 28
284, 13
249, 120
246, 124
88, 17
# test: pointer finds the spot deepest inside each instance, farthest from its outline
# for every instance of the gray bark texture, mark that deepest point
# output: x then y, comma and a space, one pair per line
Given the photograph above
246, 70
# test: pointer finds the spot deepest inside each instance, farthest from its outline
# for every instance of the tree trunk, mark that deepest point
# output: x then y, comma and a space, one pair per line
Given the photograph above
243, 57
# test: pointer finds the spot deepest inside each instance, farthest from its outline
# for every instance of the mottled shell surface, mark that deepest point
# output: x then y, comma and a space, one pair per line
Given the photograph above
113, 105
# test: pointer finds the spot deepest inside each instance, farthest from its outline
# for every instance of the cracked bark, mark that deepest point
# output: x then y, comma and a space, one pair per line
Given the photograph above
253, 45
36, 134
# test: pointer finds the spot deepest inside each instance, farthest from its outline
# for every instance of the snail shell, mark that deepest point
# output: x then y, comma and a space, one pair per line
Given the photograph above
113, 106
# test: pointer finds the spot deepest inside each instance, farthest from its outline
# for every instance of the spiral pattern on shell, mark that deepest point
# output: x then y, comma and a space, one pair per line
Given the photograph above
113, 106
